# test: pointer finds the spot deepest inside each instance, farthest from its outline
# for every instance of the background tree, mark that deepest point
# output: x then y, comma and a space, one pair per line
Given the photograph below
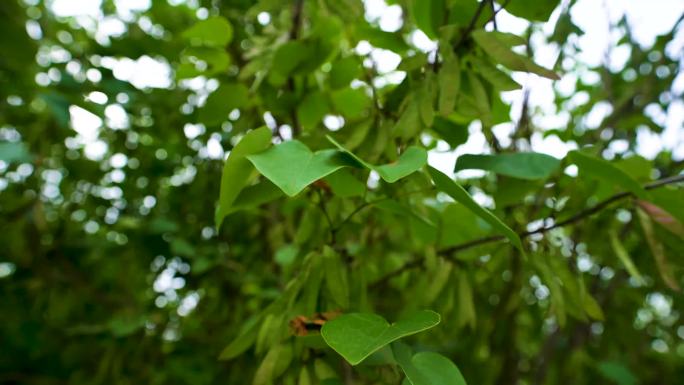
117, 266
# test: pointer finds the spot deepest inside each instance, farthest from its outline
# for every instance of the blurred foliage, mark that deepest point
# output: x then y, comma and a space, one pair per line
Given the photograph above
132, 253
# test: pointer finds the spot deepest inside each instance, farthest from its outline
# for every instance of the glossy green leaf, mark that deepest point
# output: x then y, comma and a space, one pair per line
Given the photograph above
446, 184
238, 171
412, 160
499, 50
603, 170
215, 31
355, 336
523, 165
292, 166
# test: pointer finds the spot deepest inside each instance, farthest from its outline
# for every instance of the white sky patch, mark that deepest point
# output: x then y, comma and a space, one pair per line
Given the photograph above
388, 17
422, 42
145, 72
67, 8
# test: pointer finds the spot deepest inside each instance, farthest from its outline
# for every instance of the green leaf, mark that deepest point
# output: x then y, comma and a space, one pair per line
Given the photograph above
617, 372
498, 48
450, 84
344, 71
344, 184
213, 32
658, 251
222, 101
409, 123
532, 9
238, 171
11, 152
484, 108
288, 57
623, 255
351, 102
255, 195
453, 133
312, 110
413, 159
523, 165
429, 15
603, 170
435, 369
292, 166
336, 277
355, 336
244, 340
274, 364
497, 78
446, 184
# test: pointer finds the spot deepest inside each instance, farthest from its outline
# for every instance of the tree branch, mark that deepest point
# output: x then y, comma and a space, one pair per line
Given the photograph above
446, 253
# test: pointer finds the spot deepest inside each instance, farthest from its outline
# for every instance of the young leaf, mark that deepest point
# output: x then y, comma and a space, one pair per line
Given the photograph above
336, 277
658, 251
446, 184
238, 171
244, 340
274, 364
449, 85
498, 48
292, 166
523, 165
622, 254
603, 170
355, 336
413, 159
253, 196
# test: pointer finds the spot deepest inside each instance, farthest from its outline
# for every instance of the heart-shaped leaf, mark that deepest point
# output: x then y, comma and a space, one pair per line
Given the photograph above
427, 368
523, 165
237, 172
409, 162
292, 166
356, 336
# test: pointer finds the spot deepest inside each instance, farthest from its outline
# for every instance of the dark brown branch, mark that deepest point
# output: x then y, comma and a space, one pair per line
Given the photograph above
496, 238
471, 26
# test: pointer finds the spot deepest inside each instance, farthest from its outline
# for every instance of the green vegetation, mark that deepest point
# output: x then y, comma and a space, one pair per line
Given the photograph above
237, 192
